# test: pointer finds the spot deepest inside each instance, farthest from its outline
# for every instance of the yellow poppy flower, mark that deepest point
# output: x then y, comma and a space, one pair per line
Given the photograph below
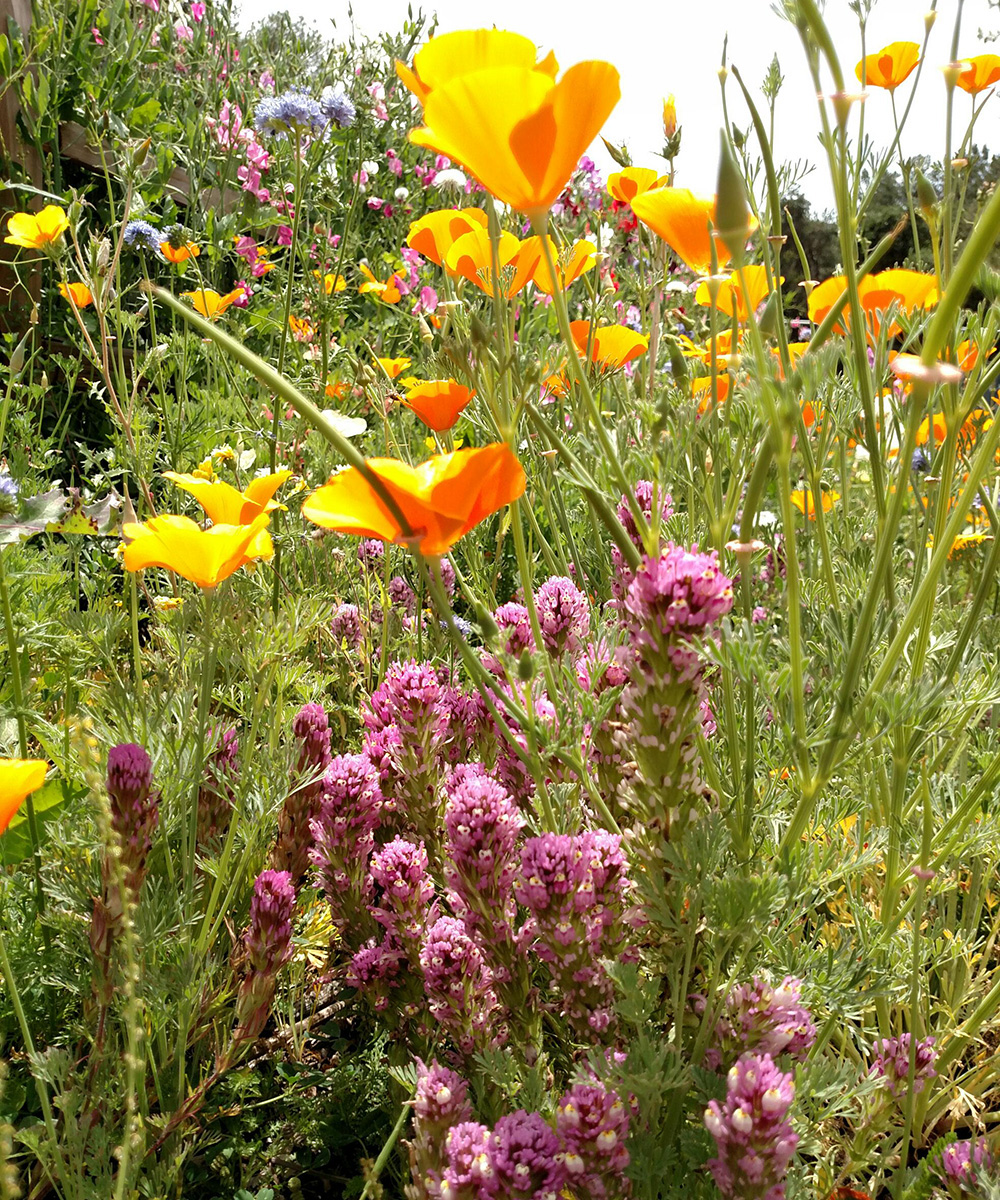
890, 66
387, 292
669, 117
204, 556
331, 283
210, 304
682, 219
447, 57
981, 71
434, 234
438, 402
179, 254
441, 499
805, 502
393, 367
572, 262
471, 256
19, 777
611, 346
519, 132
730, 295
224, 504
625, 185
37, 231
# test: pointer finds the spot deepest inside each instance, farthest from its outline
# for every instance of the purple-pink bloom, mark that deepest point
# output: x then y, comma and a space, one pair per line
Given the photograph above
458, 984
592, 1125
215, 799
958, 1164
345, 625
527, 1164
515, 628
771, 1020
135, 809
469, 1171
563, 616
269, 937
892, 1062
754, 1139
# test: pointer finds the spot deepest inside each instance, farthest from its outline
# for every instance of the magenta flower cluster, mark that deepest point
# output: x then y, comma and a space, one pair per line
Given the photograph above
959, 1166
754, 1139
135, 809
563, 616
643, 491
311, 729
215, 799
454, 1157
573, 886
892, 1062
268, 944
770, 1020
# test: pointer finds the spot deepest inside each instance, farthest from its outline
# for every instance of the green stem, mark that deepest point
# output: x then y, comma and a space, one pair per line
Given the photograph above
198, 765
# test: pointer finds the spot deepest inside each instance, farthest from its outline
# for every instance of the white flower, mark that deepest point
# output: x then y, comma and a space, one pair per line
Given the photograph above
451, 177
402, 193
370, 166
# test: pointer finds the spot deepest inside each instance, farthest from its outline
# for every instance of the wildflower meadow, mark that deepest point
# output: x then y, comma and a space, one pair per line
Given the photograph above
499, 677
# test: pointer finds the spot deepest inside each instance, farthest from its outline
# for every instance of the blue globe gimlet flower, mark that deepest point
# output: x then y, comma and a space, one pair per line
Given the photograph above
141, 233
921, 463
337, 107
8, 495
293, 112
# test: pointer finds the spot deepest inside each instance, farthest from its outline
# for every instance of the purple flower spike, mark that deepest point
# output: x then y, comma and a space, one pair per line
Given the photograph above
592, 1124
515, 628
458, 984
563, 616
770, 1020
527, 1164
291, 852
959, 1163
345, 625
892, 1062
268, 942
755, 1140
469, 1173
134, 809
215, 799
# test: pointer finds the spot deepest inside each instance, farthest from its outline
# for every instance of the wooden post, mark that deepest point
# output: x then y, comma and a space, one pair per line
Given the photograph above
19, 292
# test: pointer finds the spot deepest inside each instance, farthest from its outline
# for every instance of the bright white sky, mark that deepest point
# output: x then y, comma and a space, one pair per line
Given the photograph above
664, 46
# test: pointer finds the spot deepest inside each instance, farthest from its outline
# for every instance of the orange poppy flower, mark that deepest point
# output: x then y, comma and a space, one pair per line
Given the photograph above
571, 262
967, 353
387, 292
37, 231
224, 504
810, 415
730, 294
681, 219
19, 777
302, 330
701, 390
442, 499
210, 304
204, 556
514, 128
79, 291
451, 55
625, 185
393, 367
438, 402
556, 385
471, 256
890, 66
434, 234
910, 291
806, 503
981, 71
179, 254
611, 346
331, 283
336, 391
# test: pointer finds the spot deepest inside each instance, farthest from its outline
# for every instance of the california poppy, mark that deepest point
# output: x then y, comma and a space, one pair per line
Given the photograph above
518, 131
626, 184
209, 303
434, 234
471, 256
890, 66
336, 391
302, 330
805, 502
723, 347
19, 777
442, 499
393, 367
37, 231
204, 556
447, 57
179, 254
438, 402
909, 291
611, 346
570, 263
730, 294
669, 117
224, 504
681, 218
387, 292
331, 283
79, 291
701, 390
981, 71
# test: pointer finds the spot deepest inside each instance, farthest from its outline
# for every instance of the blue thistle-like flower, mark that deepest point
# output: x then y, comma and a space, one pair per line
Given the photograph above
8, 495
143, 234
921, 463
337, 107
294, 111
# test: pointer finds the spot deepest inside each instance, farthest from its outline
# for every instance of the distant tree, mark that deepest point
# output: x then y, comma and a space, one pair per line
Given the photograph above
820, 242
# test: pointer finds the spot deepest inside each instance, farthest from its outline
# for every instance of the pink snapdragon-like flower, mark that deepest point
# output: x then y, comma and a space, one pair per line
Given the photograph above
959, 1166
563, 616
400, 870
771, 1020
379, 110
458, 985
97, 36
892, 1063
526, 1159
311, 728
183, 32
573, 886
592, 1126
755, 1140
268, 943
198, 11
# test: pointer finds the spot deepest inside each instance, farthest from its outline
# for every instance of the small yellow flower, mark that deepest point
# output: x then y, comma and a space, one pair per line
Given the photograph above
37, 231
167, 603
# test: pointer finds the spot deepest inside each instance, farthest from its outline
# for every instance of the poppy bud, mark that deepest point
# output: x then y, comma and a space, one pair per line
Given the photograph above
769, 317
618, 153
926, 196
669, 117
484, 619
731, 208
17, 357
525, 666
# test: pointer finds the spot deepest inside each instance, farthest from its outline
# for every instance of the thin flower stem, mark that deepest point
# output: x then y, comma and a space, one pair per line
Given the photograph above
371, 1186
17, 685
198, 765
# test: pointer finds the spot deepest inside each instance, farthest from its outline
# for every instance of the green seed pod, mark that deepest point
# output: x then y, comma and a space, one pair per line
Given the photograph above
525, 667
731, 208
489, 627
